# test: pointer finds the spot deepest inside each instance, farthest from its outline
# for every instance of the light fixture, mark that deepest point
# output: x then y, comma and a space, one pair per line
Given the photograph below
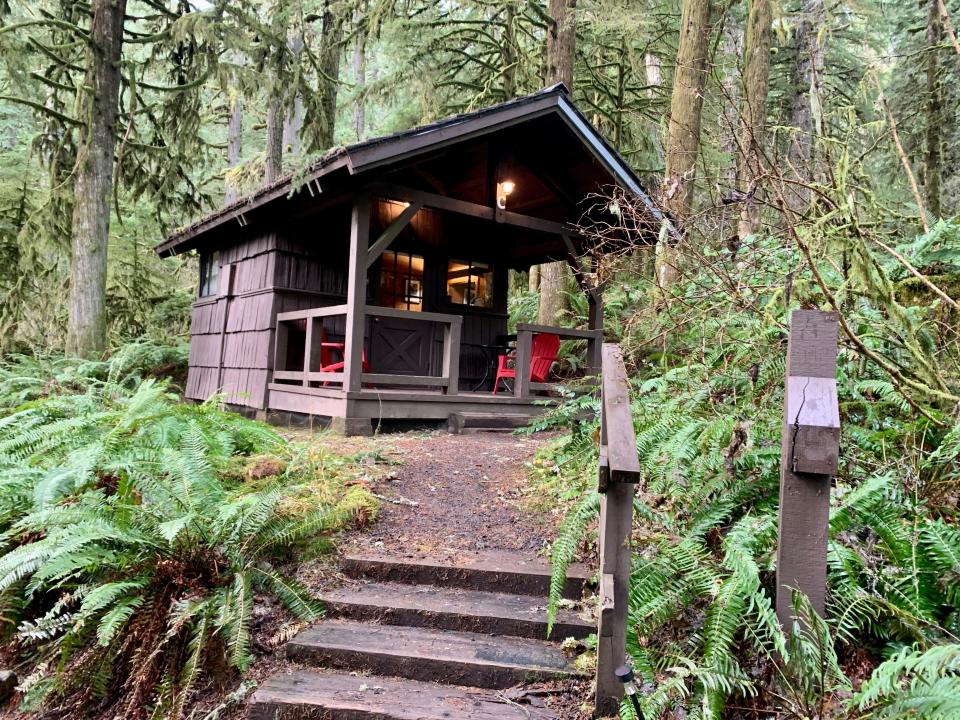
503, 190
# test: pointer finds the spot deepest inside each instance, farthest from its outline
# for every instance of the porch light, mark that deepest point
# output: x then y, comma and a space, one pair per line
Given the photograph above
503, 190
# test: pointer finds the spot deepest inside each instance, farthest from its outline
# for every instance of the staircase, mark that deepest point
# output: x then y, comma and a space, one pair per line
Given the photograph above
425, 639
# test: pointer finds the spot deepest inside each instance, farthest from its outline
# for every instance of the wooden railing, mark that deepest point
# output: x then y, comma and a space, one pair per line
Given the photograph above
525, 332
618, 473
449, 379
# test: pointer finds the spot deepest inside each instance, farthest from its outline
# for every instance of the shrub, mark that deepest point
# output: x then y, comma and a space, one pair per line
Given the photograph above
132, 550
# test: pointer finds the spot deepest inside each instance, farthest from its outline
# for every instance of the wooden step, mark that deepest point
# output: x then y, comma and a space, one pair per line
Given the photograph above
455, 658
464, 423
501, 572
309, 695
453, 609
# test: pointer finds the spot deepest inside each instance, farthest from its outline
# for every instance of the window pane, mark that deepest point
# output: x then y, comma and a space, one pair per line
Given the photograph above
401, 281
470, 283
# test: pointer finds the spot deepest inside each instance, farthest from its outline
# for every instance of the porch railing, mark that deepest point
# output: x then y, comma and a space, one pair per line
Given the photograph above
618, 474
448, 380
525, 332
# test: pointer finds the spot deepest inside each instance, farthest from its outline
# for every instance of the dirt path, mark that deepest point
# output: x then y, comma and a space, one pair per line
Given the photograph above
456, 494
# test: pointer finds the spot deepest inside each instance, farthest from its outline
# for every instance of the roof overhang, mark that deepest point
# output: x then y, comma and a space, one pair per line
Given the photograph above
320, 178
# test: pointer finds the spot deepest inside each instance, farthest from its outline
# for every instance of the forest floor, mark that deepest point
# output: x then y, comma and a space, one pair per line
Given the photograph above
446, 496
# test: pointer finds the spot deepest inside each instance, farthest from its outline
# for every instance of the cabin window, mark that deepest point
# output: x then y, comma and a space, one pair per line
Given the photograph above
209, 270
401, 281
470, 283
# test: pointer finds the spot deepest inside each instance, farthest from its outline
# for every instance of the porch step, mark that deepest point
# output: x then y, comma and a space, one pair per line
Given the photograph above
457, 658
453, 609
308, 695
503, 571
465, 423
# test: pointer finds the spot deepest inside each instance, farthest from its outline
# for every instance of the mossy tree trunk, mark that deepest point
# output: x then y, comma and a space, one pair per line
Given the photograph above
683, 131
805, 112
933, 158
753, 113
93, 186
561, 54
331, 50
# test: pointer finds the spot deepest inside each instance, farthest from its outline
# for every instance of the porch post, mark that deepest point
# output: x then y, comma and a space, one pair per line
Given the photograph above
356, 313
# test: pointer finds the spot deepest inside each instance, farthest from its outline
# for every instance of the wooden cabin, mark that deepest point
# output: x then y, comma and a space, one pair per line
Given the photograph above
385, 263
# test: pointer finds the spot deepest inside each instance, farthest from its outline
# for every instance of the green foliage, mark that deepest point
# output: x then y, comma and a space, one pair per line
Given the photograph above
707, 408
132, 552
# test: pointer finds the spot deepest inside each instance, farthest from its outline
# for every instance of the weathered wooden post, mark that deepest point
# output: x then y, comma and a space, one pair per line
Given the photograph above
808, 459
618, 474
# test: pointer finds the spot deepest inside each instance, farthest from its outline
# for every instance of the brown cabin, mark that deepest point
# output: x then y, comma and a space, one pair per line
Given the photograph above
385, 263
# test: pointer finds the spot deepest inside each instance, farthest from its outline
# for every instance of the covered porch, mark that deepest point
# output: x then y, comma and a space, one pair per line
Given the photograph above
425, 317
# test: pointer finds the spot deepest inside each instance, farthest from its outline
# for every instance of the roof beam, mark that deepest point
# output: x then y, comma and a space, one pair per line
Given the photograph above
463, 207
394, 229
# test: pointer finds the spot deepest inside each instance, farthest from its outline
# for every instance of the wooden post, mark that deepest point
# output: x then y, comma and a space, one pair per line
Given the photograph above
808, 458
521, 383
619, 472
595, 322
451, 355
356, 294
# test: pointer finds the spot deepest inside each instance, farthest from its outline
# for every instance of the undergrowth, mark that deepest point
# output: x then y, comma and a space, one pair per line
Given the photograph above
707, 405
137, 533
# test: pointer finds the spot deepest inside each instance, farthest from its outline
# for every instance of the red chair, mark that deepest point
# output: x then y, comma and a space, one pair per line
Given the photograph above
543, 354
327, 363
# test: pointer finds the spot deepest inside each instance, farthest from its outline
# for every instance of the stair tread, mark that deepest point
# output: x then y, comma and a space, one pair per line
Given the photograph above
378, 697
424, 644
503, 571
459, 608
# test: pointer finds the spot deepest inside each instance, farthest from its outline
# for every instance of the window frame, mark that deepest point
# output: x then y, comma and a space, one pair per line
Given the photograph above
473, 264
209, 284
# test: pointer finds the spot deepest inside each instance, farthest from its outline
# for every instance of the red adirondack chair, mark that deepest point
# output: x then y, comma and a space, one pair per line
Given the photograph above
327, 363
543, 354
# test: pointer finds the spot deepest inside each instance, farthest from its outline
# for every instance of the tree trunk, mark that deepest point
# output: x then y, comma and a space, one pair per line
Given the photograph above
561, 42
683, 131
509, 51
686, 104
293, 122
933, 159
561, 53
273, 166
533, 279
805, 111
359, 76
330, 51
234, 147
87, 325
730, 115
753, 115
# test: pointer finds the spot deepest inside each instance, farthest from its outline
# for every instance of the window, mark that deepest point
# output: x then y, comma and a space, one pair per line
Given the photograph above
209, 269
401, 281
470, 283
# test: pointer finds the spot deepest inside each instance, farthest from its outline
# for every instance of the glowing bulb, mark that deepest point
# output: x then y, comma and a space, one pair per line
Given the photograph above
508, 186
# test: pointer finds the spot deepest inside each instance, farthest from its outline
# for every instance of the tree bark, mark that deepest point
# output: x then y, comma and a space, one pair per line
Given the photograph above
686, 105
805, 112
330, 51
234, 146
730, 115
561, 42
293, 122
933, 159
87, 325
273, 165
561, 54
753, 115
359, 76
683, 130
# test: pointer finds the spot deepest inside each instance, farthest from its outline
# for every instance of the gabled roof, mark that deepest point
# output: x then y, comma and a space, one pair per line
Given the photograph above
393, 149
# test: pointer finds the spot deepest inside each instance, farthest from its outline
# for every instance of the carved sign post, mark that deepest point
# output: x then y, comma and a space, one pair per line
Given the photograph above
808, 459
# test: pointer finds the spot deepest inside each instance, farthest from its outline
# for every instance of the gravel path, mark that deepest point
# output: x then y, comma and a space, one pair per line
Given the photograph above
456, 494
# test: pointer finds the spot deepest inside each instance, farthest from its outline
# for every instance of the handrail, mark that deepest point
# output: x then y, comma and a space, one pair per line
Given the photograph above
618, 472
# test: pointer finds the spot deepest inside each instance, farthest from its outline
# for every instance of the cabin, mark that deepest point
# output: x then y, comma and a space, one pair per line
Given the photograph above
373, 284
